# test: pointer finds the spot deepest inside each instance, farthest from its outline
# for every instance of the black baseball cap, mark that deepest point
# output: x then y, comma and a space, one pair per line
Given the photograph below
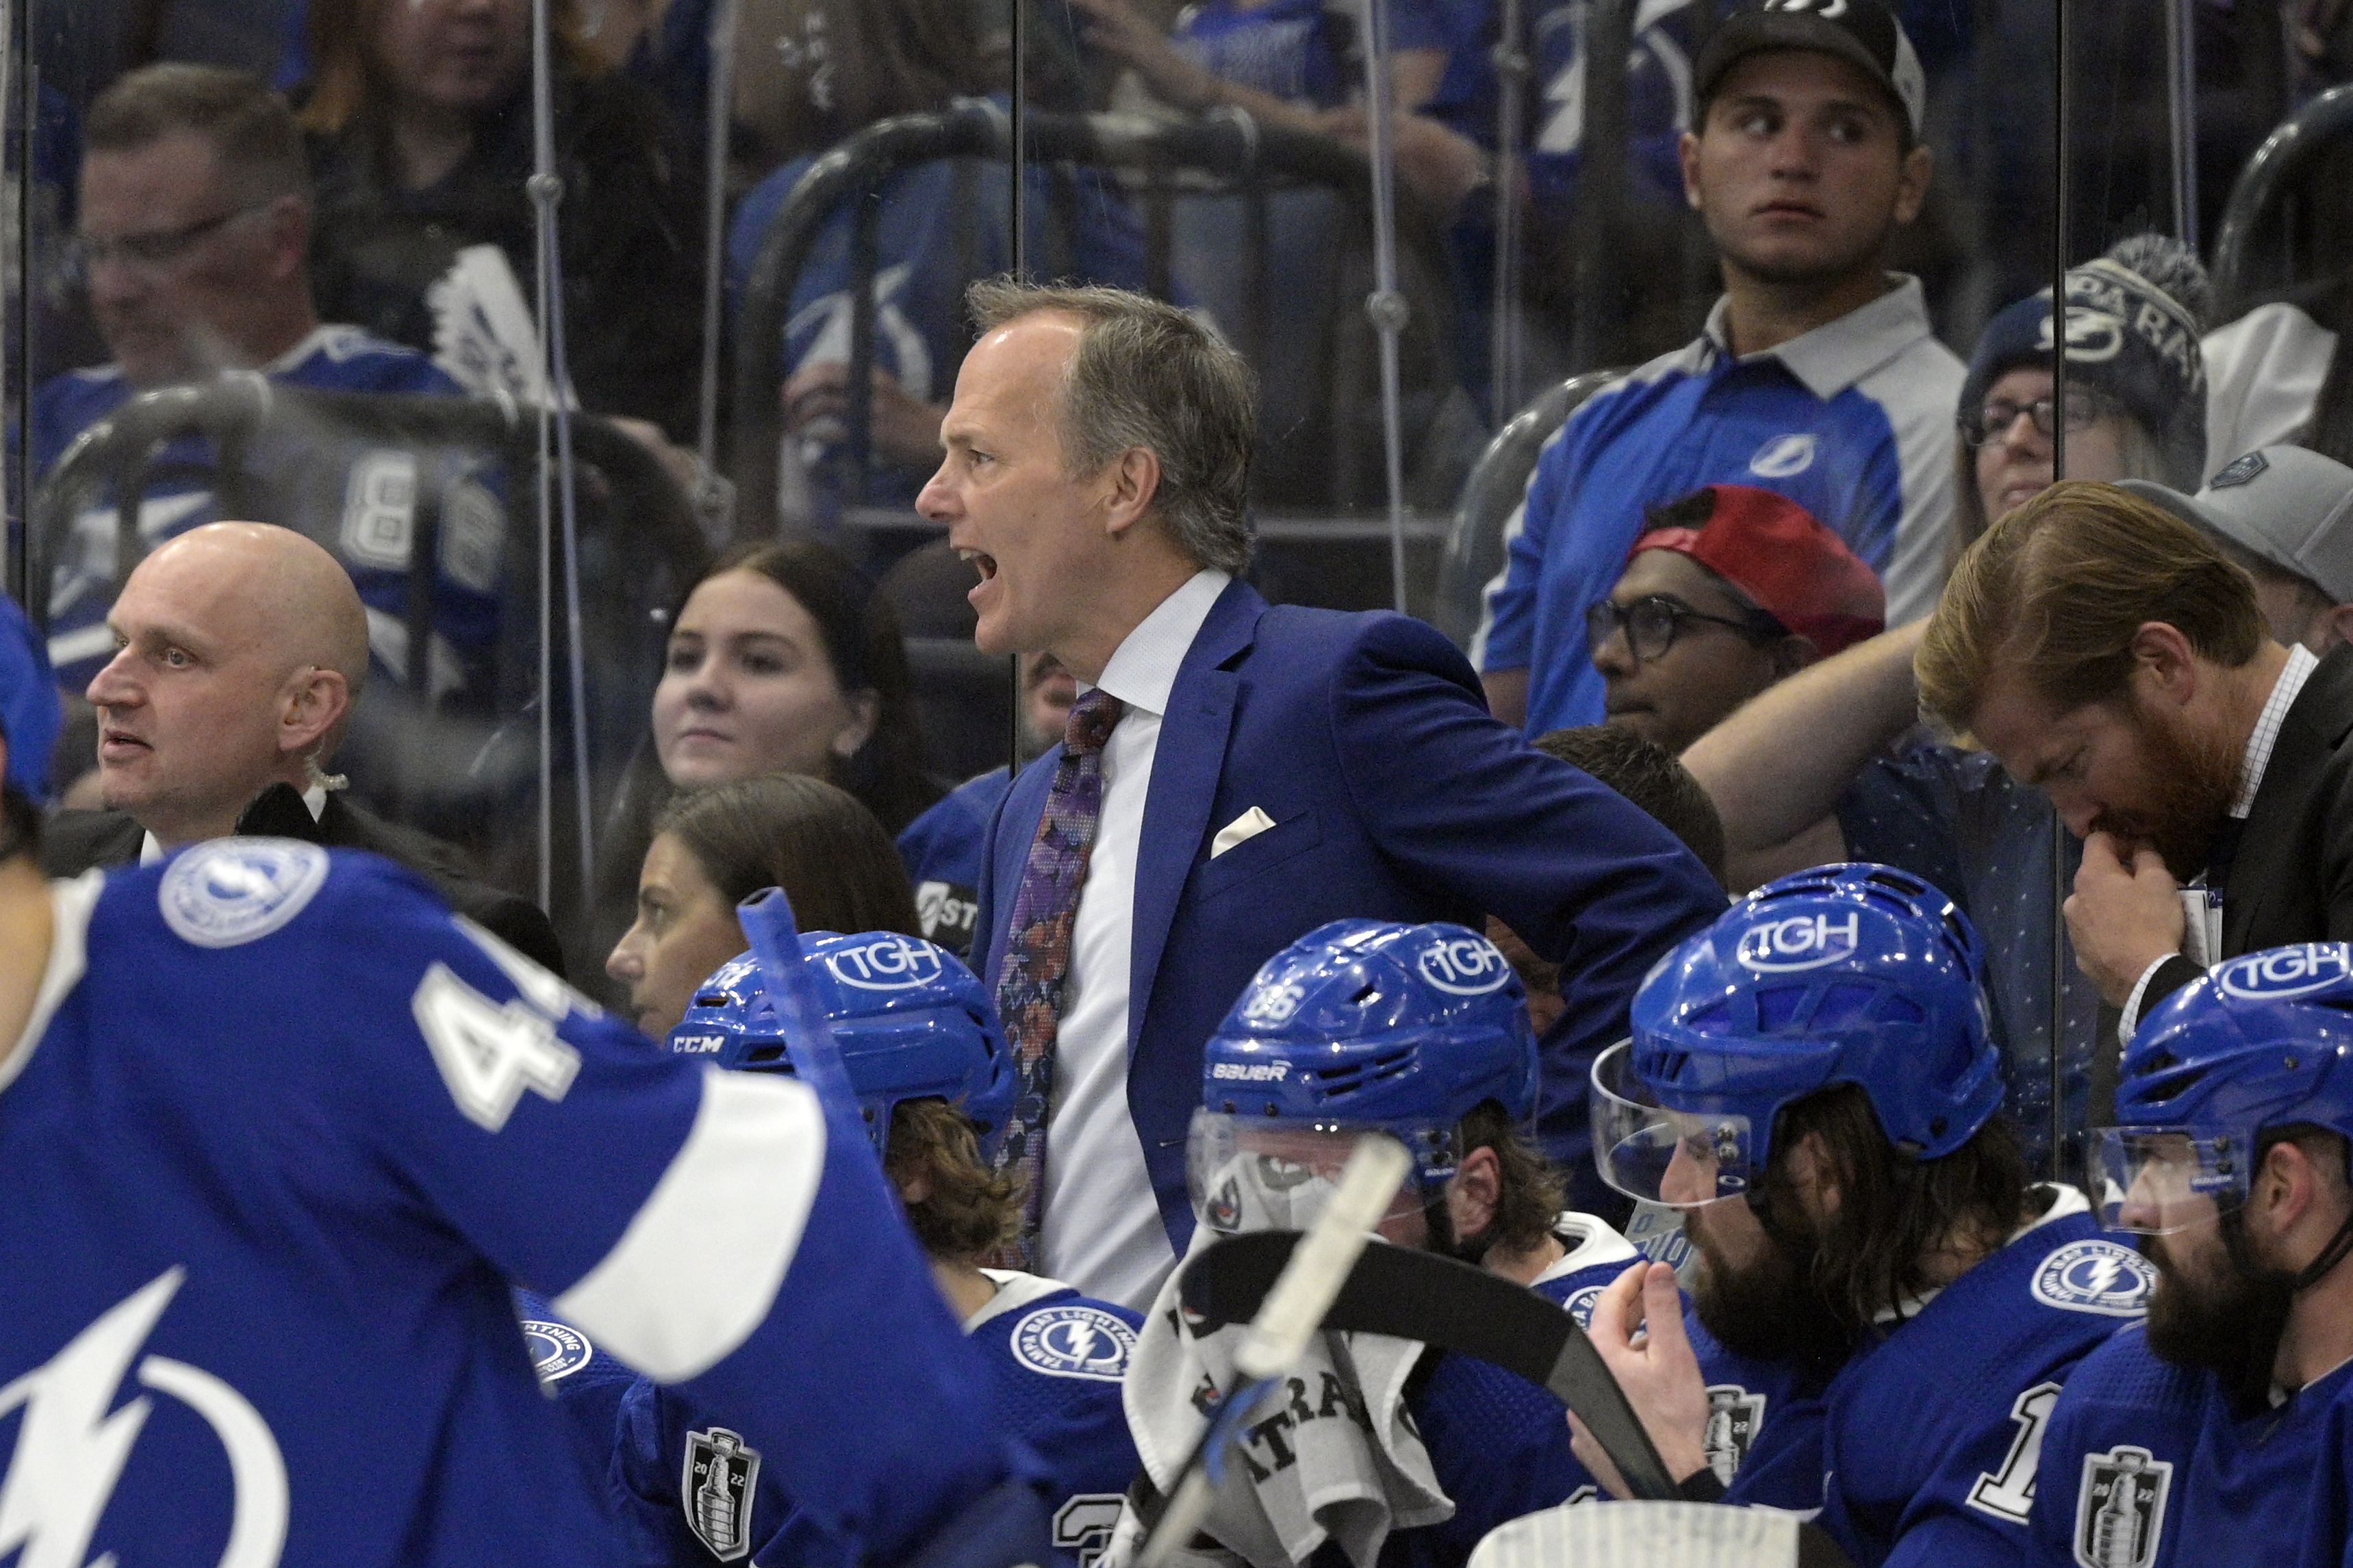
1862, 31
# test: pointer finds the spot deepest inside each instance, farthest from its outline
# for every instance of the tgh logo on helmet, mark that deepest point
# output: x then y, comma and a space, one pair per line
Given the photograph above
2284, 972
888, 964
1800, 942
1464, 966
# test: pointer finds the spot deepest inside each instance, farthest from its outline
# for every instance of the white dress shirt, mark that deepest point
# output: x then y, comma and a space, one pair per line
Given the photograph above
2285, 691
1102, 1229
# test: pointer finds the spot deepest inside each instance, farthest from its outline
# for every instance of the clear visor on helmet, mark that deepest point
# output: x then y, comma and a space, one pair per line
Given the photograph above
1657, 1155
1254, 1173
2154, 1181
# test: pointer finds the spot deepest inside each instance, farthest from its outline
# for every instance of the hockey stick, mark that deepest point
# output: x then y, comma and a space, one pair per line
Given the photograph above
767, 921
1289, 1309
1424, 1296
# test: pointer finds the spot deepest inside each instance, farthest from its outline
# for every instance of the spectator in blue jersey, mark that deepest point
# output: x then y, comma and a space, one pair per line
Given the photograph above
195, 226
280, 1131
2135, 384
419, 119
29, 714
941, 226
781, 659
714, 848
942, 847
1817, 375
1812, 1083
922, 1052
2220, 1434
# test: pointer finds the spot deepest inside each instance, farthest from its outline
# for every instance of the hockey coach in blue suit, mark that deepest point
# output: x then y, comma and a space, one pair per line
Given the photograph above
1234, 774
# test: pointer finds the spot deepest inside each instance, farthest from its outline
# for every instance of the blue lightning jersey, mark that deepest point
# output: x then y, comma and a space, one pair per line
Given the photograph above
279, 1133
357, 500
1853, 421
586, 1381
2145, 1465
1765, 1417
1932, 1437
1055, 1363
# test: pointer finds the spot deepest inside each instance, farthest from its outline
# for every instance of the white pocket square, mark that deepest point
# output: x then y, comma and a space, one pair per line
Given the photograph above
1241, 829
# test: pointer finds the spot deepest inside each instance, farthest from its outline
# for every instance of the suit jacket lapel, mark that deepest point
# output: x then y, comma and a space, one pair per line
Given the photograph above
1185, 768
2315, 725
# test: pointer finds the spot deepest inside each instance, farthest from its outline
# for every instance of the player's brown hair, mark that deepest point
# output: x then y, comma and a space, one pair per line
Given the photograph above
968, 1212
1897, 1218
1529, 1192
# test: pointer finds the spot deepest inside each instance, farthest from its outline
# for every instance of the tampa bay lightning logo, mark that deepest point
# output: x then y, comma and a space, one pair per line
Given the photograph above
1784, 456
227, 891
2096, 1276
1580, 1304
2277, 973
2241, 472
1074, 1341
891, 963
557, 1350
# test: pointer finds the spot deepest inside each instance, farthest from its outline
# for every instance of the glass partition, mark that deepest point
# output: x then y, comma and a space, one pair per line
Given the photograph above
1426, 297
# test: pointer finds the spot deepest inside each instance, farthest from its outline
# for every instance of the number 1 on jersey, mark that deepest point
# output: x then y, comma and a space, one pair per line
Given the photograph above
2009, 1492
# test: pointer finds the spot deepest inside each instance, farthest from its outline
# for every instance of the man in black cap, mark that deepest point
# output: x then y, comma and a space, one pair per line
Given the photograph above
1817, 375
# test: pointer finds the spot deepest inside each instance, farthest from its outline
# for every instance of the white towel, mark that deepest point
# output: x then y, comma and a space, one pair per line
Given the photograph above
1332, 1454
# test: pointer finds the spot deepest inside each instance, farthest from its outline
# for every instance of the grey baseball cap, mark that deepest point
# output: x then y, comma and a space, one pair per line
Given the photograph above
2291, 507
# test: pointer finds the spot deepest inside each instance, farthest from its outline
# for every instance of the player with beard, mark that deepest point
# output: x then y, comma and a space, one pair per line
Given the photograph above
2107, 653
1812, 1080
1817, 375
2204, 1438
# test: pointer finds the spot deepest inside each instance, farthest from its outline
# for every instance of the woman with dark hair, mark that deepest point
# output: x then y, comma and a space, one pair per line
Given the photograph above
419, 119
714, 848
782, 658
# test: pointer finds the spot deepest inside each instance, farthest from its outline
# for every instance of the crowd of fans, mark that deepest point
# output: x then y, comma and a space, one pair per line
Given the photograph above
1816, 613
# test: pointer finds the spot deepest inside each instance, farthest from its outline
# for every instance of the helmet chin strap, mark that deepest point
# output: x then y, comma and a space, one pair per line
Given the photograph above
2332, 1255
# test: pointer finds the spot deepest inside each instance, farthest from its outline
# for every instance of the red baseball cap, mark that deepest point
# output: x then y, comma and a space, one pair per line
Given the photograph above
1781, 555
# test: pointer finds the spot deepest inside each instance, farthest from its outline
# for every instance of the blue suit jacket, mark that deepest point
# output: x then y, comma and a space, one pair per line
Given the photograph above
1395, 796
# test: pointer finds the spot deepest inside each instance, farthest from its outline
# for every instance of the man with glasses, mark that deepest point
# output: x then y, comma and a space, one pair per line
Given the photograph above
194, 249
1730, 589
1817, 375
2219, 1435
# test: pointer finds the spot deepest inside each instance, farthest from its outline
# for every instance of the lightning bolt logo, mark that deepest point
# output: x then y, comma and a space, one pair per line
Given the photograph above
2097, 1277
71, 1448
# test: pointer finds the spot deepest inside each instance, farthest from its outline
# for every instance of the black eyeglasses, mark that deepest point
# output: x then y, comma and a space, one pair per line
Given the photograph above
157, 249
1991, 421
1652, 623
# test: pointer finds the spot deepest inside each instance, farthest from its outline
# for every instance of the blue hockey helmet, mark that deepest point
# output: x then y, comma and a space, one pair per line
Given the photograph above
1366, 1025
910, 1020
1855, 974
2263, 1042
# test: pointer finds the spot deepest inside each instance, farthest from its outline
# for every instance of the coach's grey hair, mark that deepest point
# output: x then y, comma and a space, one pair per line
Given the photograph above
1147, 374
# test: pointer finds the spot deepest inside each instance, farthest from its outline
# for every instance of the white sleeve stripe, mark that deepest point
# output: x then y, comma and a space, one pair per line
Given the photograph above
698, 1266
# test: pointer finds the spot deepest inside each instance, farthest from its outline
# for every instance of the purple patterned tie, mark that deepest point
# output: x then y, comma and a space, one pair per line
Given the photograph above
1037, 955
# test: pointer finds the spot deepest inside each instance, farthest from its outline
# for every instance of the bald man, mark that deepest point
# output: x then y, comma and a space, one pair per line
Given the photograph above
240, 648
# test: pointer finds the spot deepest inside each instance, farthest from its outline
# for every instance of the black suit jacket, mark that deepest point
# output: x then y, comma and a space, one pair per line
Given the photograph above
74, 841
2291, 878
